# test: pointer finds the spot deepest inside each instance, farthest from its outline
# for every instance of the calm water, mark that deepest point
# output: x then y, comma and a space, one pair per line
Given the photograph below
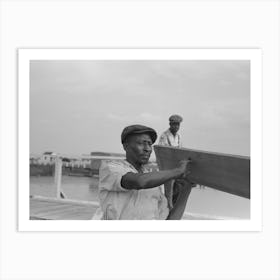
201, 201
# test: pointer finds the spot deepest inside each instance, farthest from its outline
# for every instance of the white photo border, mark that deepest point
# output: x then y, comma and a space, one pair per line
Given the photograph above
255, 58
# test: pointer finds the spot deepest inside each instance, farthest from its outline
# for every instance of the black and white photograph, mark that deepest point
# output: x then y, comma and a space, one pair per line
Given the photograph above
141, 139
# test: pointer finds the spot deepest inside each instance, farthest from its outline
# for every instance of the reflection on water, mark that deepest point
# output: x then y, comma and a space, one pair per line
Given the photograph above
201, 201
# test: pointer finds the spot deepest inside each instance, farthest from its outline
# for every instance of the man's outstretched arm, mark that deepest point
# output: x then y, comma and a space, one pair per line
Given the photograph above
140, 181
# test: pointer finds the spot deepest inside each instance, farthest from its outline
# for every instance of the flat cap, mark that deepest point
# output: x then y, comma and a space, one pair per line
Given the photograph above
175, 118
138, 129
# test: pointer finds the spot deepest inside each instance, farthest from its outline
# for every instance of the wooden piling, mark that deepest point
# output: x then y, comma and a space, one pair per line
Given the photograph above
57, 176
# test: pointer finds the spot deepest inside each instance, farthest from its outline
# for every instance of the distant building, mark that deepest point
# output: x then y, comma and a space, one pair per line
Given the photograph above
34, 160
97, 157
79, 162
46, 158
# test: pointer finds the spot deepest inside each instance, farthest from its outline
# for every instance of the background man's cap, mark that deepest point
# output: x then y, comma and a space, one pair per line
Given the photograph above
138, 129
175, 118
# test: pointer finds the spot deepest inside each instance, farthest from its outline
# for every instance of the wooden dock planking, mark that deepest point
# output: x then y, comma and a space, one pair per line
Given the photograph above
43, 208
61, 209
223, 172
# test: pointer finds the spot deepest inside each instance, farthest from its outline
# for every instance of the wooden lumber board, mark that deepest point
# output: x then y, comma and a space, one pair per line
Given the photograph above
223, 172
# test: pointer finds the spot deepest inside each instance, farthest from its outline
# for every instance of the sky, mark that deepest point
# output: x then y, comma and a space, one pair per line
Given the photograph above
77, 107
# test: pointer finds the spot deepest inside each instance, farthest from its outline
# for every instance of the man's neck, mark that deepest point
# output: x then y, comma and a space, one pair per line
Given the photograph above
173, 133
137, 166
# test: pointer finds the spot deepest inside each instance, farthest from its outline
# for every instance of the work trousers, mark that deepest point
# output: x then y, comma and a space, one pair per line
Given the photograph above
171, 191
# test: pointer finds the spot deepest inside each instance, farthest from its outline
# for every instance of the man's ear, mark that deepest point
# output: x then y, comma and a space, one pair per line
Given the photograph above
125, 145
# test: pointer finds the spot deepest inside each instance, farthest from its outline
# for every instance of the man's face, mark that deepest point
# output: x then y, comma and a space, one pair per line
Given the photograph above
174, 127
139, 148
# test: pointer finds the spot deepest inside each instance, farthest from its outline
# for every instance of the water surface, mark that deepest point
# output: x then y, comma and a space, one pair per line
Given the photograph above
204, 201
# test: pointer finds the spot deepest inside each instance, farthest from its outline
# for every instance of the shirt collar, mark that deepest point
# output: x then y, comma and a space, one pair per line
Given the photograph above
143, 167
170, 133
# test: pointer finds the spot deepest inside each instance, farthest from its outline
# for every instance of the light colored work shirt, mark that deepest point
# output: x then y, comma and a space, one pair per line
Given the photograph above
118, 203
168, 139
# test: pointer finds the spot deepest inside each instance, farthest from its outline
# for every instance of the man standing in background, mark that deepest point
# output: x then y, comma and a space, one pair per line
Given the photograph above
171, 138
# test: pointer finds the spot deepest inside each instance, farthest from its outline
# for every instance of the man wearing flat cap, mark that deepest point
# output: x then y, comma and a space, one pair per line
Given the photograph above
171, 138
128, 190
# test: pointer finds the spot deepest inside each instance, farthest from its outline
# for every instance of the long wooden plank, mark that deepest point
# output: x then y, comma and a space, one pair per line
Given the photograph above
223, 172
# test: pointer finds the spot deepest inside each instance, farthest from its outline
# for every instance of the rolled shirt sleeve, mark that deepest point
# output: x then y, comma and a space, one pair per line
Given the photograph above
163, 141
110, 175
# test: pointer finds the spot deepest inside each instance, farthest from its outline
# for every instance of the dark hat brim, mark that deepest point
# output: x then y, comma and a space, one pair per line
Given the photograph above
136, 130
